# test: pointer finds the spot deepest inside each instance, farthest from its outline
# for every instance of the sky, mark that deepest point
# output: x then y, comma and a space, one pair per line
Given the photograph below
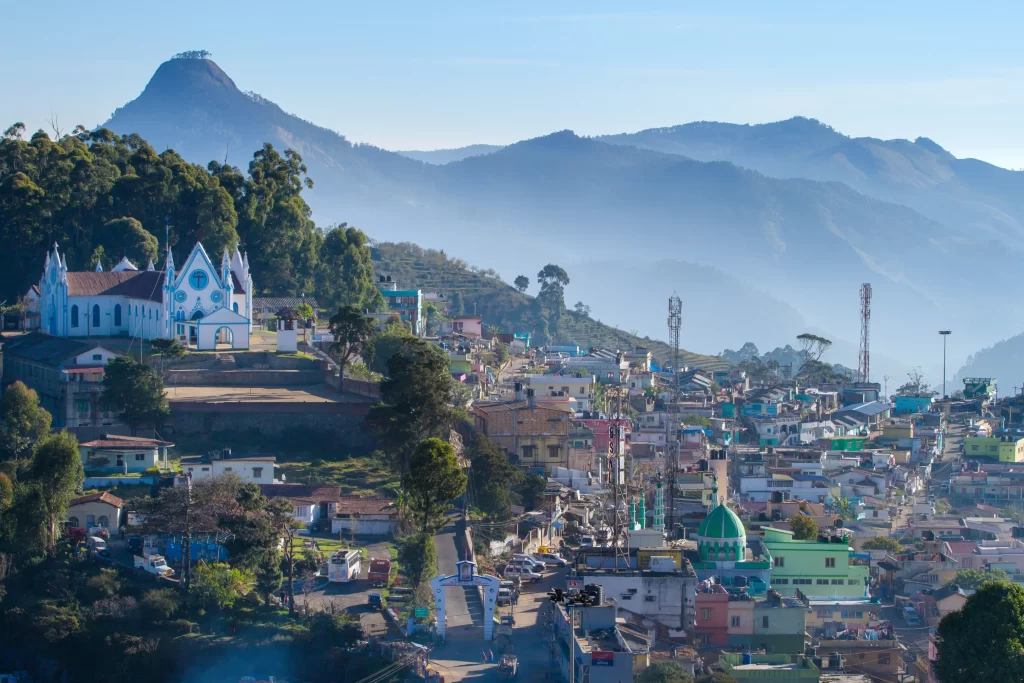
435, 75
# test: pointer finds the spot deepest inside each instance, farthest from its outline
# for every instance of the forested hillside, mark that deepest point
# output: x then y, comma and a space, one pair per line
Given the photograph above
476, 291
100, 196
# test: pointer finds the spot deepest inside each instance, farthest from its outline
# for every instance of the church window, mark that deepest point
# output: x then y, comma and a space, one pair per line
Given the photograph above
234, 307
95, 315
198, 279
74, 316
117, 315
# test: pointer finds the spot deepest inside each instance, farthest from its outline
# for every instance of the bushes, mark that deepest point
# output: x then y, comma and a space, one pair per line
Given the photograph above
160, 604
418, 555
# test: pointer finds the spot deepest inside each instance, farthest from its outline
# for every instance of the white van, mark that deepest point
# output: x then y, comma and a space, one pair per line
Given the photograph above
523, 572
529, 559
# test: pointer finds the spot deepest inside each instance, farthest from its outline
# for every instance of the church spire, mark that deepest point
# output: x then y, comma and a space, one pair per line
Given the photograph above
150, 266
99, 265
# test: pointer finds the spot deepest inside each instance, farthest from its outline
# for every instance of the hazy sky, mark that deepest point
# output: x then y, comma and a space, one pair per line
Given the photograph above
429, 75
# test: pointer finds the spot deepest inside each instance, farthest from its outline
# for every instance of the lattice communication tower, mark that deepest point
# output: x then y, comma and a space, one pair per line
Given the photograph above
864, 358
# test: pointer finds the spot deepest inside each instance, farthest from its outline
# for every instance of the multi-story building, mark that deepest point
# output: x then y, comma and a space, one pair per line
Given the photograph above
534, 434
819, 569
711, 624
581, 389
994, 488
602, 650
406, 303
1001, 446
66, 373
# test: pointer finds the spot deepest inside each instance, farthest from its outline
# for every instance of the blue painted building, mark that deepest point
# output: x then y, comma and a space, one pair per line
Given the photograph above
913, 404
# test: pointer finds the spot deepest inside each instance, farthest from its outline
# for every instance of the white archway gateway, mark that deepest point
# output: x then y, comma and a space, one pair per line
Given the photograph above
465, 575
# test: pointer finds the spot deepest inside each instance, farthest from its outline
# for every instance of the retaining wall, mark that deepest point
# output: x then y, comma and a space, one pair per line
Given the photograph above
344, 420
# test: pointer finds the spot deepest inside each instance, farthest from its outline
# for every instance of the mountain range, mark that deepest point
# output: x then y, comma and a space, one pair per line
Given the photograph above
773, 227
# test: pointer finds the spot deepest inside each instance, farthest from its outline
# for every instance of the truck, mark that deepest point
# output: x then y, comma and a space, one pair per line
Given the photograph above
379, 572
153, 564
910, 616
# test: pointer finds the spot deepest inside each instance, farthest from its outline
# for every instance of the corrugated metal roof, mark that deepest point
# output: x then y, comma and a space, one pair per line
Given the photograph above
137, 284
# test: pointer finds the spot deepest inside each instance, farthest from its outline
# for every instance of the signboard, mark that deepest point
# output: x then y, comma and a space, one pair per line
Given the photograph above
421, 612
598, 658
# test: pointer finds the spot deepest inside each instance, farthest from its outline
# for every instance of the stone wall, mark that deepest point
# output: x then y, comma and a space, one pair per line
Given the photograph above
344, 420
353, 386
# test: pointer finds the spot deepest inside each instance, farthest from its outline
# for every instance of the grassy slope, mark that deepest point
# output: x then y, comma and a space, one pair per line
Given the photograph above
501, 304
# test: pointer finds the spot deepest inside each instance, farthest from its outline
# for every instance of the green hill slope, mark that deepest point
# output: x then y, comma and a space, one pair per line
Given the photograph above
484, 293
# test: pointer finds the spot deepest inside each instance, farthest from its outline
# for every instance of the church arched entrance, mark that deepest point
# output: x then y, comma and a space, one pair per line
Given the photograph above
465, 576
225, 338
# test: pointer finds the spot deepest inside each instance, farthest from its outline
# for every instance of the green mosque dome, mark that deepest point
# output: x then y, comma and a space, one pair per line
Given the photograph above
722, 523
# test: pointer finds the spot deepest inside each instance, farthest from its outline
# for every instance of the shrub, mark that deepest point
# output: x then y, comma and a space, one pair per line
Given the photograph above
160, 604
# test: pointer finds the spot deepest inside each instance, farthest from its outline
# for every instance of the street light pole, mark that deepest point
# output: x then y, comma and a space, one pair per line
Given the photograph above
944, 333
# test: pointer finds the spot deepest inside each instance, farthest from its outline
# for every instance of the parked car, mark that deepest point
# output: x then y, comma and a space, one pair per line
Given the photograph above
531, 559
523, 572
552, 559
588, 542
504, 597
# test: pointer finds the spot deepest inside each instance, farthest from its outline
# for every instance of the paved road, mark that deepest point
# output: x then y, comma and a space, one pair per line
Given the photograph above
352, 597
460, 657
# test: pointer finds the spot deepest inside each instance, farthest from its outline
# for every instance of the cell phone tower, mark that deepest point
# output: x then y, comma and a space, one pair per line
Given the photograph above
675, 323
864, 358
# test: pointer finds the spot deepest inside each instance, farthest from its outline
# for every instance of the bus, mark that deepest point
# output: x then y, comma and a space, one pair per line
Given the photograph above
344, 566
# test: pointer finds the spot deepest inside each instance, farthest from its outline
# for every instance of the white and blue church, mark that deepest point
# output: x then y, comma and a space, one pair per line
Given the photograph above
201, 306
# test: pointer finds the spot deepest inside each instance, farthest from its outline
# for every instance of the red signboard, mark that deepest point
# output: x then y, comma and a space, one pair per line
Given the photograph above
598, 658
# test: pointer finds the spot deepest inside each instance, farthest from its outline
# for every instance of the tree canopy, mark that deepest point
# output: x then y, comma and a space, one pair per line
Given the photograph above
882, 543
353, 336
346, 271
23, 418
415, 400
804, 527
969, 579
135, 392
984, 641
434, 480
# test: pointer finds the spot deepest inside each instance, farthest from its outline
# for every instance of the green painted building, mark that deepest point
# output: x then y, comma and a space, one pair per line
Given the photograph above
818, 569
843, 443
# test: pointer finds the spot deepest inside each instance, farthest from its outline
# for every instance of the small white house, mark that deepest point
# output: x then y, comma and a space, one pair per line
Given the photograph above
113, 452
357, 516
258, 469
310, 503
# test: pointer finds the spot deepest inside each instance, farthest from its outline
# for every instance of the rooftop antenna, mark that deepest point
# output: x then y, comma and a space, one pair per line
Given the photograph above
864, 358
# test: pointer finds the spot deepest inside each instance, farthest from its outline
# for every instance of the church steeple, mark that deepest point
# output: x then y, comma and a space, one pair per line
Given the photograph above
99, 265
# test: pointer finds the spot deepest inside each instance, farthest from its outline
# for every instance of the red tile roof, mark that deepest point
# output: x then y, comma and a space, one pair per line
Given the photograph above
300, 493
349, 505
137, 284
118, 441
104, 497
962, 547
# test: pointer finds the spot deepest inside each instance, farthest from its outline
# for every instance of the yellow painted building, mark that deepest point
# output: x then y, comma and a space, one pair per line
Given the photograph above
854, 613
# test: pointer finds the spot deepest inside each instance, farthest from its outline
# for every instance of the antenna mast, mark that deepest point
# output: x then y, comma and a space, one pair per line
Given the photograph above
675, 324
864, 358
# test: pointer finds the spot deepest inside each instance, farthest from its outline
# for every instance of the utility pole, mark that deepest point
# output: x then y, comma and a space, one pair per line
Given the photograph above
186, 551
944, 333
